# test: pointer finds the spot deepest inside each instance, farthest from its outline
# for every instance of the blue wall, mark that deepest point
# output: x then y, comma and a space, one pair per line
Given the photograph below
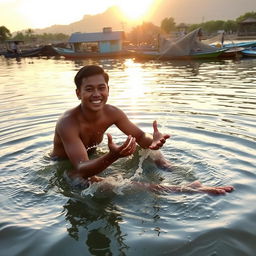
110, 46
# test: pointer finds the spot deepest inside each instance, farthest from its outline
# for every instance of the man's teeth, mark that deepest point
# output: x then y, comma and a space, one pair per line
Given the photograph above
96, 101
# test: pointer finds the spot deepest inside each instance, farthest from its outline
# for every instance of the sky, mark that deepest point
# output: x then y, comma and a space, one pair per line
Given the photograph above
23, 14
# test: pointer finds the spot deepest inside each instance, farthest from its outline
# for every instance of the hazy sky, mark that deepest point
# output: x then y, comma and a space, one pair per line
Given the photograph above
23, 14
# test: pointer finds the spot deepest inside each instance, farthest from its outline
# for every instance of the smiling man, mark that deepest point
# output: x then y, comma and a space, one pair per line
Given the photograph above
81, 129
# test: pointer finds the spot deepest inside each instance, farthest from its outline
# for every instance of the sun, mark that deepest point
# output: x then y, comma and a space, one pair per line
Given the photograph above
135, 9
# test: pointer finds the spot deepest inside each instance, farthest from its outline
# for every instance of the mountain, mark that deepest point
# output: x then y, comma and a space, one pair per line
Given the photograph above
91, 23
183, 11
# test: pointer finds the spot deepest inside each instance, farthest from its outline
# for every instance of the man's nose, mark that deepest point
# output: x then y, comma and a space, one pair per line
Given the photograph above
96, 92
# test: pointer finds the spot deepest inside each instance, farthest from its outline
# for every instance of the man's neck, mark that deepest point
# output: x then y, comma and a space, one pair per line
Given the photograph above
88, 115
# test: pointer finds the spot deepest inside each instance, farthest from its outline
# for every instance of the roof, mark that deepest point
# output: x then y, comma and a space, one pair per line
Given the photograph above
249, 20
95, 37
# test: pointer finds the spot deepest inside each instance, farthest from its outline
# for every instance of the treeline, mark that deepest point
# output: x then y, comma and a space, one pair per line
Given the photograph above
148, 32
29, 36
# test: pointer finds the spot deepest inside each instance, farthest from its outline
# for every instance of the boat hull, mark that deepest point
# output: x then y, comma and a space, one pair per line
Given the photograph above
28, 53
249, 53
195, 56
70, 54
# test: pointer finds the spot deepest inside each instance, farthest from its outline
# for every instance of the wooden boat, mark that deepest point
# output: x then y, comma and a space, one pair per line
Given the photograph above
189, 47
71, 54
192, 56
242, 44
231, 53
27, 53
249, 52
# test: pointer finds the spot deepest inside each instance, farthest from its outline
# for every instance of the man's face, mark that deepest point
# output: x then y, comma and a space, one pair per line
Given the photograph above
93, 92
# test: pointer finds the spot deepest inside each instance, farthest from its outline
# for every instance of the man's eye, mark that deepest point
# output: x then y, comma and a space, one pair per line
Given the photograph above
88, 89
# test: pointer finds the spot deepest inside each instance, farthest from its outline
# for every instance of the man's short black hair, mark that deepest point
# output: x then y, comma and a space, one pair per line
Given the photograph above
87, 71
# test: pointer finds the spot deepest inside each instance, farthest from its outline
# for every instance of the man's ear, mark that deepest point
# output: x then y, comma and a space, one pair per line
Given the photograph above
108, 90
78, 94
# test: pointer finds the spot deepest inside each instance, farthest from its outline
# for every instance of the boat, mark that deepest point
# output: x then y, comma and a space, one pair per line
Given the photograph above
192, 56
189, 47
71, 54
26, 53
241, 44
46, 50
249, 52
231, 53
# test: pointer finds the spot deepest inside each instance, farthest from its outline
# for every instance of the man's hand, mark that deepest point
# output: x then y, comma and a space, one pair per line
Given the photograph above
128, 147
158, 138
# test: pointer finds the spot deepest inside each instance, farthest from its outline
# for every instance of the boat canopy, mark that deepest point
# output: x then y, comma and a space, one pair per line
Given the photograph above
186, 45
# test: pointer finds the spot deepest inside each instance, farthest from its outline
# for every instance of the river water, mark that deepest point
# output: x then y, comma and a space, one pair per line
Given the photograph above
209, 108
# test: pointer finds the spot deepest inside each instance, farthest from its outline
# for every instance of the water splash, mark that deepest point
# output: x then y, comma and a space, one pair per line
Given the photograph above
118, 183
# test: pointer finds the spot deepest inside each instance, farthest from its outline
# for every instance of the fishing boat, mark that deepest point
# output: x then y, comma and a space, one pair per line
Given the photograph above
26, 53
250, 52
188, 47
241, 44
71, 54
46, 50
192, 56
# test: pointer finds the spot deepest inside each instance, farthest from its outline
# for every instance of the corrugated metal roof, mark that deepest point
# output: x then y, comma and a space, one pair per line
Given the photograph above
249, 20
95, 37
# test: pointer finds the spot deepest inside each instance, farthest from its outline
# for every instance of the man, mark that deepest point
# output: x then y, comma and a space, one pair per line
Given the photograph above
80, 129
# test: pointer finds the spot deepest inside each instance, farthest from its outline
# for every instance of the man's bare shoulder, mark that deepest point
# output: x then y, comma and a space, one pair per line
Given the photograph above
114, 112
69, 118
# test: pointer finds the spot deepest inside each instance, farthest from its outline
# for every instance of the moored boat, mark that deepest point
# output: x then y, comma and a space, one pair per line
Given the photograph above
71, 54
192, 56
188, 47
249, 52
26, 53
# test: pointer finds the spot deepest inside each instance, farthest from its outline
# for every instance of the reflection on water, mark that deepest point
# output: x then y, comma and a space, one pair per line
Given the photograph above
207, 107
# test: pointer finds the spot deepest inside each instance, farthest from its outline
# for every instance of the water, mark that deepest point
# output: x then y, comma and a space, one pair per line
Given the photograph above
208, 108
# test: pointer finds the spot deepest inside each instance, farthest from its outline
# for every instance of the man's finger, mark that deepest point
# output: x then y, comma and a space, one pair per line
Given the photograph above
128, 147
155, 126
110, 140
167, 136
133, 147
126, 143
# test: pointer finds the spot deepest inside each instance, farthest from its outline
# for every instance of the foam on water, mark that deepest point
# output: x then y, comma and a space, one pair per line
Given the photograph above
118, 183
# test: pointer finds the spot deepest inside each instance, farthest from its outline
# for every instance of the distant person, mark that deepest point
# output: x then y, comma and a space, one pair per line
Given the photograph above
200, 34
80, 129
15, 47
222, 38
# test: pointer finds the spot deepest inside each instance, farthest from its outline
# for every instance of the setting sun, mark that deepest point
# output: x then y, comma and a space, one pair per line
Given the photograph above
135, 9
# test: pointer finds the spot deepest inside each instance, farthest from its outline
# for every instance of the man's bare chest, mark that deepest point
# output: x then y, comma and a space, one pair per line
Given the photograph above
92, 135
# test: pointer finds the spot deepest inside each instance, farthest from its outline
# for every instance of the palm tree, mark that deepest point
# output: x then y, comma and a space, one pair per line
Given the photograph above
4, 33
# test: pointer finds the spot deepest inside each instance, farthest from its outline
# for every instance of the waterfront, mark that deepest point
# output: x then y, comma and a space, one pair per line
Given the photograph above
207, 107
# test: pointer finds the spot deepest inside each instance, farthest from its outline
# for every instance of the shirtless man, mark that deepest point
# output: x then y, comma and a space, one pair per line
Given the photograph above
83, 127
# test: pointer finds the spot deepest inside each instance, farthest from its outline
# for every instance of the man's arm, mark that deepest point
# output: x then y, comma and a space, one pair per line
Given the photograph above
78, 156
143, 139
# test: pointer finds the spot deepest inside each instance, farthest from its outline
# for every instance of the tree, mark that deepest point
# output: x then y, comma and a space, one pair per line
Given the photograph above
144, 33
168, 25
29, 32
230, 26
19, 36
245, 16
4, 33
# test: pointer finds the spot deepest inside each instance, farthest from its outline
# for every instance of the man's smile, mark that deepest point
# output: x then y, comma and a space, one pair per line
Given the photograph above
96, 101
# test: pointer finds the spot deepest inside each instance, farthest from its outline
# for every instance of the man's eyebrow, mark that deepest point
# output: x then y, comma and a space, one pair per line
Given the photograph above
90, 85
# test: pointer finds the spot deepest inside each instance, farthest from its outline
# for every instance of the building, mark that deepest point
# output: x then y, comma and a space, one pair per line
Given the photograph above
107, 41
247, 27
